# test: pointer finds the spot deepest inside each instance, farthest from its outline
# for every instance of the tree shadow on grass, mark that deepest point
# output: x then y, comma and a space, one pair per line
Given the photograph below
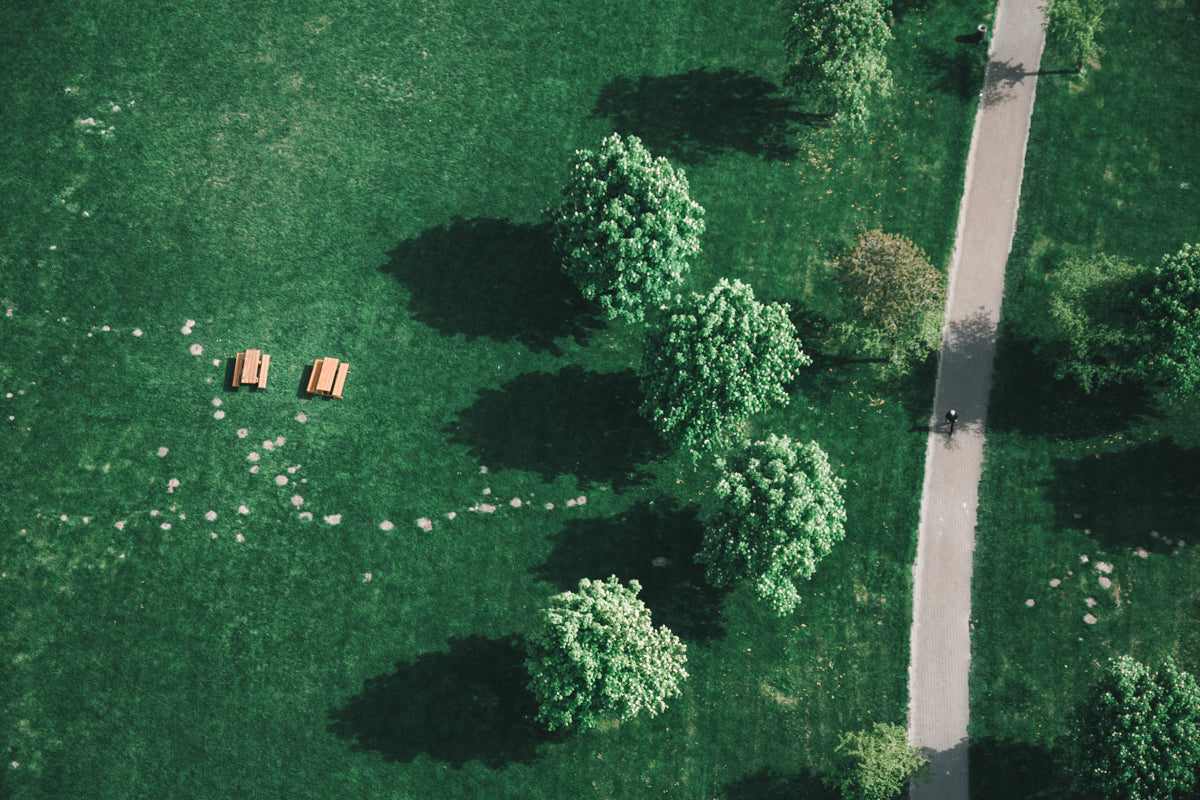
957, 72
571, 422
1027, 398
654, 543
1008, 770
492, 278
468, 704
696, 115
767, 784
1122, 496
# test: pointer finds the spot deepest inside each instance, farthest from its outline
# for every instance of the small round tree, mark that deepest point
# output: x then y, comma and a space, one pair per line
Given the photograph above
836, 59
627, 227
875, 764
780, 511
1171, 321
1072, 26
894, 296
1138, 733
717, 360
597, 655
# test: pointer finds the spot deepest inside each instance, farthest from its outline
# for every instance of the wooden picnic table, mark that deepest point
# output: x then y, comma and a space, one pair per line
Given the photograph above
328, 377
251, 368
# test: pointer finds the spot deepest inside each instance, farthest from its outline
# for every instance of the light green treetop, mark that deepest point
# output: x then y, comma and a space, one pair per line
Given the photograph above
627, 227
875, 764
597, 655
717, 360
779, 512
836, 56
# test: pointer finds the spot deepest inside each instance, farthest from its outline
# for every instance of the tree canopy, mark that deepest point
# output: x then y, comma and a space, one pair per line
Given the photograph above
1086, 324
1138, 733
597, 655
875, 764
895, 299
1171, 321
1072, 26
717, 360
627, 227
836, 56
779, 512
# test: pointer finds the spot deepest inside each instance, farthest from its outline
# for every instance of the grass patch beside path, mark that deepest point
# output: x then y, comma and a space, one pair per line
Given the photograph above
208, 592
1112, 168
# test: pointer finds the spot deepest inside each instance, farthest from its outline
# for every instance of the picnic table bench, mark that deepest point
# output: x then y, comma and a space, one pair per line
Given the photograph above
251, 368
328, 377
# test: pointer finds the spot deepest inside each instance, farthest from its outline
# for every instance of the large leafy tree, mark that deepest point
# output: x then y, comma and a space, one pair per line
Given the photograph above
1086, 323
1072, 27
875, 764
894, 297
779, 512
1138, 733
627, 227
597, 655
835, 54
1171, 321
717, 360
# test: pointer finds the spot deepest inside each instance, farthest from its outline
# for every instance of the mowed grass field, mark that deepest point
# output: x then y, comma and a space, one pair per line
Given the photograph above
1087, 545
208, 593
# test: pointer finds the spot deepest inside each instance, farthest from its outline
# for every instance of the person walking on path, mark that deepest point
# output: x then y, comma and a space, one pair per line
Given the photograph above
941, 634
951, 420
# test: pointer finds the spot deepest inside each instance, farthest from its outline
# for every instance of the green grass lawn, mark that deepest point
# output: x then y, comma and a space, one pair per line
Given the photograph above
209, 593
1112, 168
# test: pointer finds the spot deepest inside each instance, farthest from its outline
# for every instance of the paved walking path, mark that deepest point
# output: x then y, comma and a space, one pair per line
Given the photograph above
941, 641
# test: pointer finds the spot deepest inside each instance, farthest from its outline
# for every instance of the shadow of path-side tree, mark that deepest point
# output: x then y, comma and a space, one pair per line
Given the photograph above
653, 542
470, 703
1027, 398
695, 115
767, 784
492, 278
1121, 496
571, 422
1009, 770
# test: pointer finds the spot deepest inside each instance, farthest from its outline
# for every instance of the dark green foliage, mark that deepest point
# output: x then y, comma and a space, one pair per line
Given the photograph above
597, 655
836, 58
1084, 325
875, 764
1138, 733
627, 227
780, 511
716, 361
1072, 27
1171, 320
895, 299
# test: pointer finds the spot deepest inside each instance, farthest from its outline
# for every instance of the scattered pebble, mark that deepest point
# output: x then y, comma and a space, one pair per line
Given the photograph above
280, 441
515, 502
197, 349
1104, 567
243, 433
425, 524
549, 506
570, 504
241, 538
1029, 602
213, 534
452, 515
1091, 602
297, 500
1089, 619
243, 510
306, 515
162, 451
210, 516
367, 577
660, 561
216, 362
333, 519
487, 491
1141, 553
218, 414
581, 500
1105, 582
254, 470
1055, 581
483, 470
137, 331
166, 526
253, 457
216, 401
120, 525
281, 480
302, 417
386, 525
172, 484
1083, 559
